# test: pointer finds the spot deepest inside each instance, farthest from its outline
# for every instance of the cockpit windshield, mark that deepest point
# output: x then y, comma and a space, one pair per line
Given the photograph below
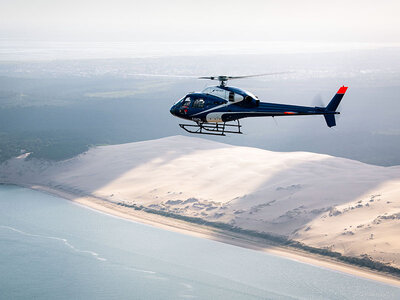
180, 100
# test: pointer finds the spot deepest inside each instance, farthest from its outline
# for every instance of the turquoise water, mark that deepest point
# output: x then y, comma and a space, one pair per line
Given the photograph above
51, 248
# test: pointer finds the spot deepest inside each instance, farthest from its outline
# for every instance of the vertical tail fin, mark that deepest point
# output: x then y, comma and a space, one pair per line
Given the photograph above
332, 106
330, 120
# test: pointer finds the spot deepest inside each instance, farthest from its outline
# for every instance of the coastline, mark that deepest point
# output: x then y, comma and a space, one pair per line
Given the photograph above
220, 235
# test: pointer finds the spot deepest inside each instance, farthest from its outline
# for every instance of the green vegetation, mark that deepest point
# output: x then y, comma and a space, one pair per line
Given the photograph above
54, 146
365, 261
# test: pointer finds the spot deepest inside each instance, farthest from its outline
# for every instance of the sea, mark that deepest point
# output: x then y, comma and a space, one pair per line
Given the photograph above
51, 248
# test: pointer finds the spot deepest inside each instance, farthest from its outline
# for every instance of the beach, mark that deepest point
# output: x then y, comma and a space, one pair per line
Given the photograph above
222, 236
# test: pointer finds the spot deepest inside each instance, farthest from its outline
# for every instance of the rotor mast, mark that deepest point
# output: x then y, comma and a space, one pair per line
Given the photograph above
221, 78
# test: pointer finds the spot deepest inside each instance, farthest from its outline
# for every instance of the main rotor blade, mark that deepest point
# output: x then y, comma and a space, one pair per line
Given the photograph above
220, 77
226, 78
256, 75
163, 75
209, 77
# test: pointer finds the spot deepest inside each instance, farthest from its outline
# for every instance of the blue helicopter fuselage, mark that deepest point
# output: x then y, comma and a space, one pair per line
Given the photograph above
223, 104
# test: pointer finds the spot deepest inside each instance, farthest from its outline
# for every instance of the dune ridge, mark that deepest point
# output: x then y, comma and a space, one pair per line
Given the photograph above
323, 201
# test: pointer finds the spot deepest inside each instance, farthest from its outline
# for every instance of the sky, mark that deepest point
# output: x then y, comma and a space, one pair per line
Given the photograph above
201, 21
323, 45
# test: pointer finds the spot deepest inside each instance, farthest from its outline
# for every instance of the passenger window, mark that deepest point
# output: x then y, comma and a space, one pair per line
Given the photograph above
198, 103
231, 97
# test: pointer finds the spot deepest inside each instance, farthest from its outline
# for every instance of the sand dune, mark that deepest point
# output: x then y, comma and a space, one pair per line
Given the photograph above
325, 201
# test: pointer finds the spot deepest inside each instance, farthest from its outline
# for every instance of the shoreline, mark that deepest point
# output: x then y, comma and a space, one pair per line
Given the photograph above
219, 235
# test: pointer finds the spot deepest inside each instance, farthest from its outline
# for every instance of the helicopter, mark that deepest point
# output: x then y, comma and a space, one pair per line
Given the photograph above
217, 109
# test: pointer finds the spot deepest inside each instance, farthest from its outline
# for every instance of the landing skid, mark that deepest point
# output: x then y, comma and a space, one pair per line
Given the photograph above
212, 128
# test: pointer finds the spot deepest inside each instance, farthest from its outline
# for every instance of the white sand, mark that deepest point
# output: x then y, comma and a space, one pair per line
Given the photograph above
305, 196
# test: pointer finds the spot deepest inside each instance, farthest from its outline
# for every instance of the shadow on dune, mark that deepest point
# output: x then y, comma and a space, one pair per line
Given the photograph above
265, 195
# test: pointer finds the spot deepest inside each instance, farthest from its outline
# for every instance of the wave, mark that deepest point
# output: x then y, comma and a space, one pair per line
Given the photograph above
64, 241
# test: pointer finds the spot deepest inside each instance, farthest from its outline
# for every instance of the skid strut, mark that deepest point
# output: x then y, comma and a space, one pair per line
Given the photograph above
212, 128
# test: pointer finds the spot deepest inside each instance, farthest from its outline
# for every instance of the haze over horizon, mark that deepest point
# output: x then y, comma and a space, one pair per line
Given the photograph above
208, 21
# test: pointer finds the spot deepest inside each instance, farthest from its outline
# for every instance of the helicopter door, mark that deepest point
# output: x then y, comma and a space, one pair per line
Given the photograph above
231, 96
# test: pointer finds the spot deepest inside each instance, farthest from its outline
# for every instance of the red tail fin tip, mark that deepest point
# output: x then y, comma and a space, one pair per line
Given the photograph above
342, 90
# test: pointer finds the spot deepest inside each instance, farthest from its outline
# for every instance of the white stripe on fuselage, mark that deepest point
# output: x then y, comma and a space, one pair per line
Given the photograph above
233, 112
242, 112
254, 112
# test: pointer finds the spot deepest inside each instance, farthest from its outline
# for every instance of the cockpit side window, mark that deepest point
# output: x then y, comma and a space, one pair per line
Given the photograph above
198, 103
186, 102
